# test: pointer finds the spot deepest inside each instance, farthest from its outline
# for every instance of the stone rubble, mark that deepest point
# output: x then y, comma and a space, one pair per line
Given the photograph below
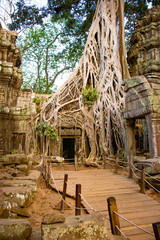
18, 185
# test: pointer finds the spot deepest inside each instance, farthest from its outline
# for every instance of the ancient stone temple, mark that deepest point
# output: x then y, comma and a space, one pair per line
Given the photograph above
15, 104
142, 100
97, 129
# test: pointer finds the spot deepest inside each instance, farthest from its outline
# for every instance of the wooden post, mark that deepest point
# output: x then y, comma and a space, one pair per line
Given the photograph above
75, 163
143, 176
48, 174
45, 169
114, 219
64, 191
156, 229
130, 168
117, 161
104, 162
78, 200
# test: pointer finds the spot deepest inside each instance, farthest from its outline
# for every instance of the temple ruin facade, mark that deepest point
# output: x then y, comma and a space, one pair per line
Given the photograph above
142, 90
16, 105
108, 125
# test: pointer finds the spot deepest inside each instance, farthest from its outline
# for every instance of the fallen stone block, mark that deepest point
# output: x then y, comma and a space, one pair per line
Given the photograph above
86, 227
22, 212
22, 196
53, 218
34, 160
10, 159
23, 168
14, 229
54, 159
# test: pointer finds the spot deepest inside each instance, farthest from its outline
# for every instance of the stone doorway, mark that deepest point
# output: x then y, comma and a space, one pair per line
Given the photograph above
141, 136
69, 149
18, 142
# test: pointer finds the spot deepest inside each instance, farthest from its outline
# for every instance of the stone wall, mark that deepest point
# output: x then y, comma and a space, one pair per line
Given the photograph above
16, 106
144, 54
143, 88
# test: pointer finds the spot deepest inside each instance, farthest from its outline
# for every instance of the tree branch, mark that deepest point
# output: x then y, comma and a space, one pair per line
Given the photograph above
54, 39
29, 85
66, 68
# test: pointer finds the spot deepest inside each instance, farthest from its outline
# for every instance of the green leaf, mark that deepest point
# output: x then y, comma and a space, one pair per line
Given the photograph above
89, 96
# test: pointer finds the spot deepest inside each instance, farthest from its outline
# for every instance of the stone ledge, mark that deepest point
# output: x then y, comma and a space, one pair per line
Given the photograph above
14, 229
86, 227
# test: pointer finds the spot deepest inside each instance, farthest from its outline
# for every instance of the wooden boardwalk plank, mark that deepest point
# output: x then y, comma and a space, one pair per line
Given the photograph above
99, 184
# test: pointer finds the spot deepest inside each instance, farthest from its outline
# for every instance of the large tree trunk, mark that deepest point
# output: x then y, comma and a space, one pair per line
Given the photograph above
101, 68
125, 72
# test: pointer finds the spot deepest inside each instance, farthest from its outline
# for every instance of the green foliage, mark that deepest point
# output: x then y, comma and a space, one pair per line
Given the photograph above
78, 17
70, 18
14, 151
89, 96
25, 16
42, 129
44, 57
37, 100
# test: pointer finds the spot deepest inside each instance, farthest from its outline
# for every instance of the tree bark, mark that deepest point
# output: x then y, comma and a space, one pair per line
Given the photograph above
125, 72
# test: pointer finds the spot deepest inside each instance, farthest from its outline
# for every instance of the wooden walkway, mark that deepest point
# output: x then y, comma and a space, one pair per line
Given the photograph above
99, 184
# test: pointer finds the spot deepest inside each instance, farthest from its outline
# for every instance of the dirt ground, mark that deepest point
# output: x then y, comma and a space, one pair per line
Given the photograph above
44, 202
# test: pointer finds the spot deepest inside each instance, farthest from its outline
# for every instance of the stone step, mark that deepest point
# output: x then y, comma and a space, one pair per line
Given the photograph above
17, 183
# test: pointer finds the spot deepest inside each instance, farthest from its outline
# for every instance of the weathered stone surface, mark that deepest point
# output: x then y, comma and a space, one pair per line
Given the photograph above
155, 181
34, 175
53, 218
143, 56
4, 212
86, 227
55, 159
23, 168
142, 98
11, 229
20, 211
15, 159
59, 159
34, 160
71, 132
16, 194
5, 176
16, 183
152, 165
19, 195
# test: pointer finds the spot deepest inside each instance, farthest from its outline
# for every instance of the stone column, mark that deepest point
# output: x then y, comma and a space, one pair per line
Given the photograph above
153, 124
130, 138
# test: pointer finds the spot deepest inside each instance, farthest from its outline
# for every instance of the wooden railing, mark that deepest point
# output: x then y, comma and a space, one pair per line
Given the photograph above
112, 206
